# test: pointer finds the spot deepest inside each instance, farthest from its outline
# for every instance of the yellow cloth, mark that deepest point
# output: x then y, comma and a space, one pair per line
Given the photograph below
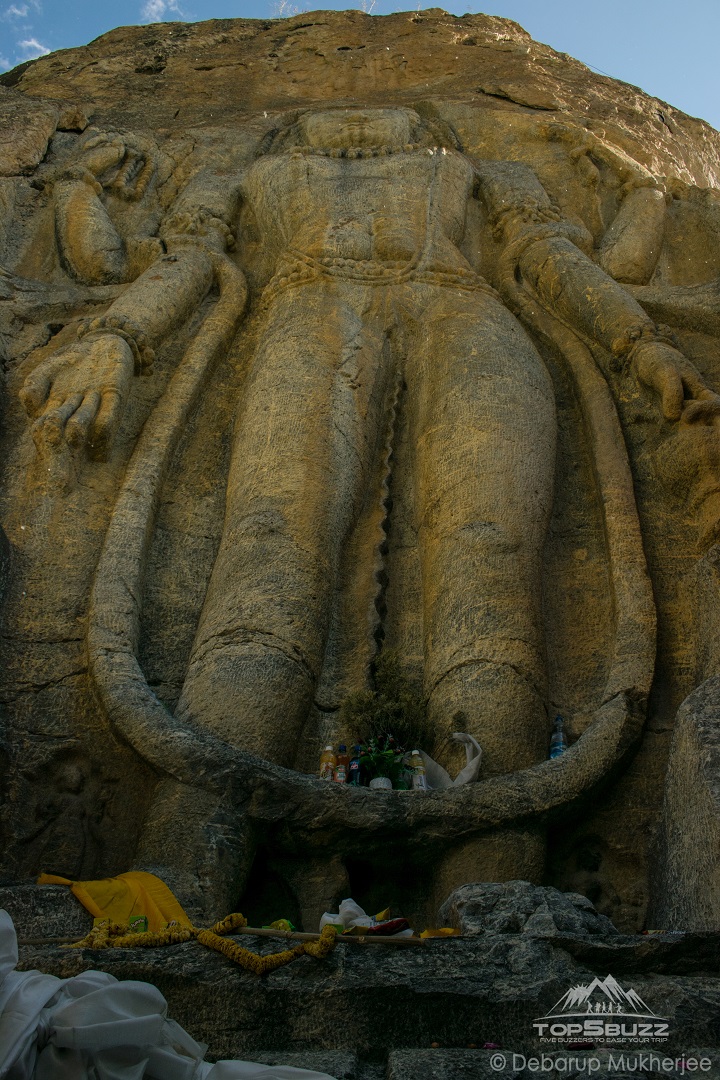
119, 898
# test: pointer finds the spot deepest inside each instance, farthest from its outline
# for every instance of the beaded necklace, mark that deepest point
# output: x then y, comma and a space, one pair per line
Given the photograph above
360, 151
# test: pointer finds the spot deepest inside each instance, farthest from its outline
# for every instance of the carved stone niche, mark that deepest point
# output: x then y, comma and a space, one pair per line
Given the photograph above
330, 363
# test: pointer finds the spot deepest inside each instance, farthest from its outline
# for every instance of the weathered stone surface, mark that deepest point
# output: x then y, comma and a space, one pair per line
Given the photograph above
175, 75
689, 889
370, 1001
4, 563
519, 907
45, 911
394, 286
440, 1064
26, 127
369, 1012
339, 1064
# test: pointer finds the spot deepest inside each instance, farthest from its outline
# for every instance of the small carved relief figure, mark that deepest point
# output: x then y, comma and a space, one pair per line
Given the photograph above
364, 215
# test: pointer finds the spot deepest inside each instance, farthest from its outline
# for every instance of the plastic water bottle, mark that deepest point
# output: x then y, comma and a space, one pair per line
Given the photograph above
558, 739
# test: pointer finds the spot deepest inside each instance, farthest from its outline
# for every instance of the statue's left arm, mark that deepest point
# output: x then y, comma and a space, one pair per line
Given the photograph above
78, 394
543, 252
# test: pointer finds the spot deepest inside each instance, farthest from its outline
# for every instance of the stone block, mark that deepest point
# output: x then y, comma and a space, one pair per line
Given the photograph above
514, 907
45, 911
340, 1064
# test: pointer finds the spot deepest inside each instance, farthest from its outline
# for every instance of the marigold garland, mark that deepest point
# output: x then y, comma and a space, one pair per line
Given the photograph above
111, 935
229, 923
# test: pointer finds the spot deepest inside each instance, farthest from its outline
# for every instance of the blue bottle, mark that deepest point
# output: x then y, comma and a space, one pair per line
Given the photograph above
354, 767
558, 739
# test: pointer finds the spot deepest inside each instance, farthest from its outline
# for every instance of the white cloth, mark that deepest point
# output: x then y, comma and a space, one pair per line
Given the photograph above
438, 778
92, 1027
351, 914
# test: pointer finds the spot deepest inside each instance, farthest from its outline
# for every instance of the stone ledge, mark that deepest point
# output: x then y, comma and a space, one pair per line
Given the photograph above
345, 1014
341, 1065
372, 1000
45, 911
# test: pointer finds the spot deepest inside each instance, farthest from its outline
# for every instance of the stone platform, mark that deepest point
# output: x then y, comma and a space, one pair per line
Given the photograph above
374, 1012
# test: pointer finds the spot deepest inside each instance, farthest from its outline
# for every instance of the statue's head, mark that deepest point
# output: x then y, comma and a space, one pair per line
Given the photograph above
340, 129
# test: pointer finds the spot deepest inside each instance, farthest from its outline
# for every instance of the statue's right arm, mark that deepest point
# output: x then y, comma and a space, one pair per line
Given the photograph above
78, 394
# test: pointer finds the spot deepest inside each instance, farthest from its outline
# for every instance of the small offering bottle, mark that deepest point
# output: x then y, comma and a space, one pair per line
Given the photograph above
354, 767
558, 739
328, 762
417, 768
342, 765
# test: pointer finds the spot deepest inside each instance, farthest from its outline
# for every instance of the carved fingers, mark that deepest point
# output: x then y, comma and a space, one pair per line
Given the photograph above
683, 392
106, 420
82, 423
102, 153
36, 388
77, 398
118, 163
705, 407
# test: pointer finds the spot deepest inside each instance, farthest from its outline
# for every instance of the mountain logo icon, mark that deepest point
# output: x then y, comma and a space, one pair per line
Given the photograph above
601, 996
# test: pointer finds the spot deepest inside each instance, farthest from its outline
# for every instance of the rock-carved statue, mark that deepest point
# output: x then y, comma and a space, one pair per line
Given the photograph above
376, 336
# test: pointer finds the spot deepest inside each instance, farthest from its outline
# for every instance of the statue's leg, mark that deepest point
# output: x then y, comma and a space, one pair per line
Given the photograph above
484, 416
306, 434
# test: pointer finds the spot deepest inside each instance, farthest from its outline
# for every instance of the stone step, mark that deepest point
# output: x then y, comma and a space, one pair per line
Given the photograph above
45, 911
340, 1064
345, 1014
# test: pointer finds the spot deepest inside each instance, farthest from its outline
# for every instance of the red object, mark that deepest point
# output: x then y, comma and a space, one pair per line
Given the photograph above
392, 926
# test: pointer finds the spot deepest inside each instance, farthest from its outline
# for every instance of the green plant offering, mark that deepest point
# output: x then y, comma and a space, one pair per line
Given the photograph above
388, 721
389, 763
395, 705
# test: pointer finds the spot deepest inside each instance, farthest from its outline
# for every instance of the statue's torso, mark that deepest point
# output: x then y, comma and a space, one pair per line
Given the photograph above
390, 209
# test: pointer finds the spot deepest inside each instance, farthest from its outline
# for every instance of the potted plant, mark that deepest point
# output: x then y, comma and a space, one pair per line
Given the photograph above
384, 764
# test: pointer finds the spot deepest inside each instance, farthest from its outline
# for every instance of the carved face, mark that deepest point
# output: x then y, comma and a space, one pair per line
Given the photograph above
343, 128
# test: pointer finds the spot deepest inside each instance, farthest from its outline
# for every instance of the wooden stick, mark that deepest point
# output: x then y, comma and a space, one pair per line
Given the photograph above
257, 931
361, 939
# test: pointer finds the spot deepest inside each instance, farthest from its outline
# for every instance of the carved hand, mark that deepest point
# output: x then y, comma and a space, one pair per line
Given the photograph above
102, 153
113, 161
682, 390
78, 395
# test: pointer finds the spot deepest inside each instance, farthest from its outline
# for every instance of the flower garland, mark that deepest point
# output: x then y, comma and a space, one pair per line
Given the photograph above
112, 935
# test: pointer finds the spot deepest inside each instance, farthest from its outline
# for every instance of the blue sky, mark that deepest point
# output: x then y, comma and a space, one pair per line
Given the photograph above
669, 50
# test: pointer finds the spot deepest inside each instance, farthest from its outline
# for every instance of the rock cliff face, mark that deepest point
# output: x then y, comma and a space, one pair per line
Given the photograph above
333, 337
174, 75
